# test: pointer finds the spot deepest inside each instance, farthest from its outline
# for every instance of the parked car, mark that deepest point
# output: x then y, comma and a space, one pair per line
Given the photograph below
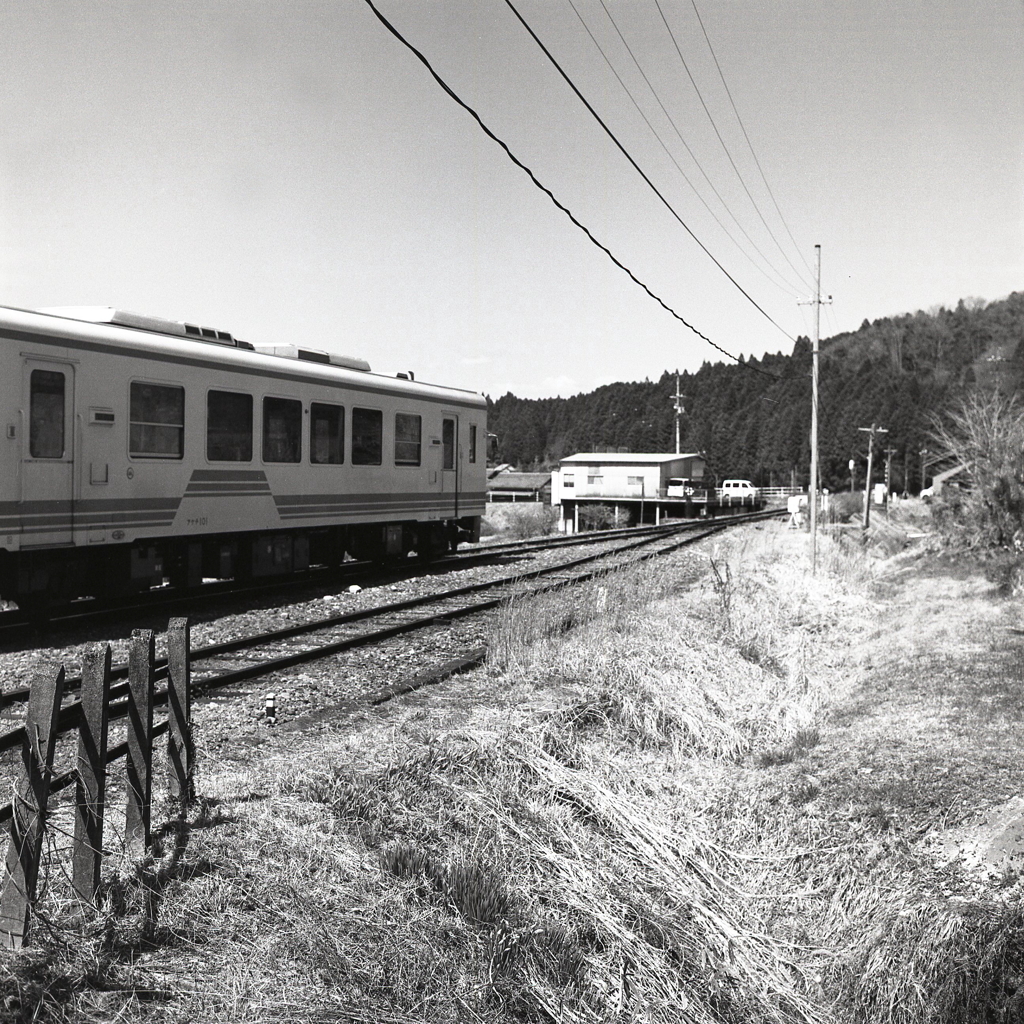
679, 487
738, 489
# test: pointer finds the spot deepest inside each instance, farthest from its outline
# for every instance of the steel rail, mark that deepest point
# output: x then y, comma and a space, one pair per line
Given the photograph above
449, 615
120, 671
69, 715
165, 598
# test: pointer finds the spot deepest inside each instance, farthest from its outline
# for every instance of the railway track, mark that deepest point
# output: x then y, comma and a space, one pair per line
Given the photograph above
15, 624
218, 674
226, 664
336, 634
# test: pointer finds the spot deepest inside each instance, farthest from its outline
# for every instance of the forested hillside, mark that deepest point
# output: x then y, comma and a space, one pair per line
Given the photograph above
752, 419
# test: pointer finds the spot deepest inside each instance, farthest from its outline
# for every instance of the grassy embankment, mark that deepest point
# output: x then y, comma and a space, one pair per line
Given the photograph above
692, 792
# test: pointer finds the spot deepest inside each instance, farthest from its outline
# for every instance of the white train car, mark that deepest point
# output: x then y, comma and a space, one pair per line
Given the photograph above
137, 450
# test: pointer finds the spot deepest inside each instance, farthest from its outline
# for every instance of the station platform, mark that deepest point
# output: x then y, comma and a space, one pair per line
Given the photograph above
583, 513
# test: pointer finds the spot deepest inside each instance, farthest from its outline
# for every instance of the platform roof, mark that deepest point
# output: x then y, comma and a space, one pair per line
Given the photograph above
522, 480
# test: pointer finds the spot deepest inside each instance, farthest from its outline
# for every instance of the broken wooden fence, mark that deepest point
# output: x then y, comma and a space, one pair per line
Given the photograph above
90, 716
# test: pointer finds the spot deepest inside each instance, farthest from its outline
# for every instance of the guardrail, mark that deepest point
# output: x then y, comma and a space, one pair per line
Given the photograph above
780, 492
90, 717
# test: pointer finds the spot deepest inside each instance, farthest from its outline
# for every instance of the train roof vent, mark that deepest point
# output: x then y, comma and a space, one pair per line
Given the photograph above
313, 355
141, 322
208, 334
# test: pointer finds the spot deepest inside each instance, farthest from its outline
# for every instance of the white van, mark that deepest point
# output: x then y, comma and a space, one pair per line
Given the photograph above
738, 489
679, 487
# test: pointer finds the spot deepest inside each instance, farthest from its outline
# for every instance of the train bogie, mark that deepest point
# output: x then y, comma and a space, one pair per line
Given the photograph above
137, 451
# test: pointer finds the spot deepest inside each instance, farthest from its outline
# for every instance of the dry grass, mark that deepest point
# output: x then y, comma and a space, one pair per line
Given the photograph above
651, 806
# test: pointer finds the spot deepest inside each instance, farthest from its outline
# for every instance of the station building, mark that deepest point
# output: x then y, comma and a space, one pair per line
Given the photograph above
638, 487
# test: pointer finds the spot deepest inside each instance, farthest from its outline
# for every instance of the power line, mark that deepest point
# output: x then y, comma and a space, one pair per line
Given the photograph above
654, 131
833, 325
622, 149
728, 154
786, 286
508, 152
750, 145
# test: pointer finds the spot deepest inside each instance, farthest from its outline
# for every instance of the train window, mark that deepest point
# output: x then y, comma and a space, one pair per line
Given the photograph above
408, 435
367, 437
156, 421
46, 414
472, 442
326, 433
282, 430
448, 441
228, 427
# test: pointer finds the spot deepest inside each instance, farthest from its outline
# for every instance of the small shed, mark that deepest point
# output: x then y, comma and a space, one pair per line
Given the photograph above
508, 485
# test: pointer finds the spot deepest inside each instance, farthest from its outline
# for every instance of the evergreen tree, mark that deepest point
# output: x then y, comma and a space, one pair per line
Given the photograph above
896, 372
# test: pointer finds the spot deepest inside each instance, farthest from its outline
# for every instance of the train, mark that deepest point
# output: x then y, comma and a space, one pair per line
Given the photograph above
141, 452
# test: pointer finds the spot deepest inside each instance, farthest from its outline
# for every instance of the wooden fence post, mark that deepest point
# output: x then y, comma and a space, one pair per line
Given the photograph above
180, 748
22, 868
140, 737
92, 774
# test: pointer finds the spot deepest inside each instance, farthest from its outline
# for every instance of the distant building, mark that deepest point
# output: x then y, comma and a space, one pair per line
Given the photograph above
507, 485
623, 475
640, 487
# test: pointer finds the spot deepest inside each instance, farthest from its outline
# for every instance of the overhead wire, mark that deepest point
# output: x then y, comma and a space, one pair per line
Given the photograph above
654, 188
671, 156
830, 316
536, 181
786, 285
804, 314
714, 125
750, 144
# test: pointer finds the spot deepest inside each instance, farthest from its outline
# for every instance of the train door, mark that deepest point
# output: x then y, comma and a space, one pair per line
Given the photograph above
450, 460
47, 460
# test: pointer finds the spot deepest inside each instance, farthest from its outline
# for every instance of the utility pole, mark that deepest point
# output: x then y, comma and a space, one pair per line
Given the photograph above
679, 412
924, 463
889, 453
870, 431
812, 495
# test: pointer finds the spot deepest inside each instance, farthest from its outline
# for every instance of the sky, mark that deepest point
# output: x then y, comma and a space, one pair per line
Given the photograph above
290, 172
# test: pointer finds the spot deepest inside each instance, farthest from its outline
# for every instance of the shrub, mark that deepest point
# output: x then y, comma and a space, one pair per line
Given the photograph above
844, 507
984, 434
597, 517
530, 520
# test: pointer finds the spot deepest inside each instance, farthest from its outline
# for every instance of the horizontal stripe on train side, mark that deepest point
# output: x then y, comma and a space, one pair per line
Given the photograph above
225, 475
93, 526
226, 490
376, 496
